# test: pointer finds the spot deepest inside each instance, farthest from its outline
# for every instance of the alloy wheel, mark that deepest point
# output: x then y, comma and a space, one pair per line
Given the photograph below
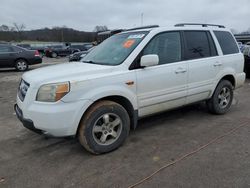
107, 129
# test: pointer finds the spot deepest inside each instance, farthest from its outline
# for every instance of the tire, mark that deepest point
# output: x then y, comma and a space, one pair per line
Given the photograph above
222, 98
54, 55
104, 127
21, 65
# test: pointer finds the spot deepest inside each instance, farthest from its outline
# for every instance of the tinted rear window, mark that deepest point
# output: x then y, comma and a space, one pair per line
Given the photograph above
227, 42
198, 45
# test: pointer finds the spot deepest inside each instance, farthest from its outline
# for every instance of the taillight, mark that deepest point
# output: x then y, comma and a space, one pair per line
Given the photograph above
37, 53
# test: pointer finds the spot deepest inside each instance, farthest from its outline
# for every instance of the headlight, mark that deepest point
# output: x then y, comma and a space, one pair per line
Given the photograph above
52, 92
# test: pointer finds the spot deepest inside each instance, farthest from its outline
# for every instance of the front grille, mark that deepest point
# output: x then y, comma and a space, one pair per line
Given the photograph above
22, 89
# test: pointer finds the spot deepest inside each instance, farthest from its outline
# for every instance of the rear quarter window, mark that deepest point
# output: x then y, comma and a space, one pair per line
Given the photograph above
227, 42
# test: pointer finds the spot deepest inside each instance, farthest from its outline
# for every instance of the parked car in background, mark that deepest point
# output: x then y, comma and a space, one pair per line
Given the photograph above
246, 53
82, 47
62, 50
20, 58
77, 56
40, 49
51, 51
26, 46
241, 46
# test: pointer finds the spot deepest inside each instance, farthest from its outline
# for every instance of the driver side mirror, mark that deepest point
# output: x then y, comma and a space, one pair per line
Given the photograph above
149, 60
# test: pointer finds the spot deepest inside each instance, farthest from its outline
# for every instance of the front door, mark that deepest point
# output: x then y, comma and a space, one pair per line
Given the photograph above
163, 86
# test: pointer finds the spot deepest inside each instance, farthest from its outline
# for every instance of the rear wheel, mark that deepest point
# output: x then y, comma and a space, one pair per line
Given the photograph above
104, 127
222, 98
21, 65
54, 54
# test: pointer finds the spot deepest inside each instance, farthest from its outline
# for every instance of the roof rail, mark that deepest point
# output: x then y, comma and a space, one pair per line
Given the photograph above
143, 27
203, 25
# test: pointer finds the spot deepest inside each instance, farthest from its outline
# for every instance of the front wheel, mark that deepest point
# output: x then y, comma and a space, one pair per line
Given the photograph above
104, 127
222, 98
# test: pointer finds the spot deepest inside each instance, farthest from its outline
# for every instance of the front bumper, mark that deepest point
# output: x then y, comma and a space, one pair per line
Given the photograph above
58, 119
240, 80
27, 123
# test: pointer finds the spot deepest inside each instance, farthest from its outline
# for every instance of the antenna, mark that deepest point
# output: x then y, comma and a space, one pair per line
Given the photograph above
142, 19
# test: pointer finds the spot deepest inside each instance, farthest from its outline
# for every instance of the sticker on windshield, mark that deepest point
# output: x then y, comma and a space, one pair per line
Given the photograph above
128, 43
138, 36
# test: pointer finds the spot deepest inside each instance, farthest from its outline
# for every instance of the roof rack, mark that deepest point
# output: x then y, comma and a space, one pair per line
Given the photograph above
203, 25
143, 27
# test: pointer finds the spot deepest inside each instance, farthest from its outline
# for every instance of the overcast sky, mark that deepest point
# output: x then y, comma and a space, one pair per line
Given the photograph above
86, 14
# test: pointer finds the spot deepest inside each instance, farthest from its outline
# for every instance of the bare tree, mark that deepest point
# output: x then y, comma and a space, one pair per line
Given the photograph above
19, 27
100, 28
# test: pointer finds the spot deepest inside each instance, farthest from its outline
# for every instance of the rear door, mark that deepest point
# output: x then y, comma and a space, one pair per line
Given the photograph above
7, 56
203, 64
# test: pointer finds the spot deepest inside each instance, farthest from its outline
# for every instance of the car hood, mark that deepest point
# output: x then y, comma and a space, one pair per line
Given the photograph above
74, 71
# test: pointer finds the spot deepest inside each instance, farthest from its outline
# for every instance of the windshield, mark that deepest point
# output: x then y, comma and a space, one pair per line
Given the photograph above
115, 49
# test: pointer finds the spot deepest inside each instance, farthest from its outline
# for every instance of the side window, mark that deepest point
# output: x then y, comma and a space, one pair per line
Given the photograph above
197, 45
5, 49
227, 42
167, 46
17, 49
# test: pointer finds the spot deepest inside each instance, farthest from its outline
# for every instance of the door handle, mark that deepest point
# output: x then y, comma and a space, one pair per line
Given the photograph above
217, 64
180, 70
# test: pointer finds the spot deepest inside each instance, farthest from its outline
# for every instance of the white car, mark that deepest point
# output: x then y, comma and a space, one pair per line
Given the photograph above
133, 74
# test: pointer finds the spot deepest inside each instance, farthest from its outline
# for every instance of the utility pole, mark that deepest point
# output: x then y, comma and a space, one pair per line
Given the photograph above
142, 19
62, 37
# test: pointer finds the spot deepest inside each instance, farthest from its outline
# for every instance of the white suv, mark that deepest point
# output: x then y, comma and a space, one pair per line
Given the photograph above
133, 74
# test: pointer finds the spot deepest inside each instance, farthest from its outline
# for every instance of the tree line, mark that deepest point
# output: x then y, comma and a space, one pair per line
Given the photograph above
18, 33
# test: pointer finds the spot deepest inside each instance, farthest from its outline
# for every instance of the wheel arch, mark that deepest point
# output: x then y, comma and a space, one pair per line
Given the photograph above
229, 77
21, 58
124, 102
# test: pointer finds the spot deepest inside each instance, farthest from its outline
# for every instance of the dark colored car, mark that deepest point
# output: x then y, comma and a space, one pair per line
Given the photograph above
82, 47
52, 51
246, 53
26, 46
20, 58
40, 49
77, 56
61, 50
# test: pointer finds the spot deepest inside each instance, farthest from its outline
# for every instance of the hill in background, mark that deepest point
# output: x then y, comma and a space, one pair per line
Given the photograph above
48, 35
